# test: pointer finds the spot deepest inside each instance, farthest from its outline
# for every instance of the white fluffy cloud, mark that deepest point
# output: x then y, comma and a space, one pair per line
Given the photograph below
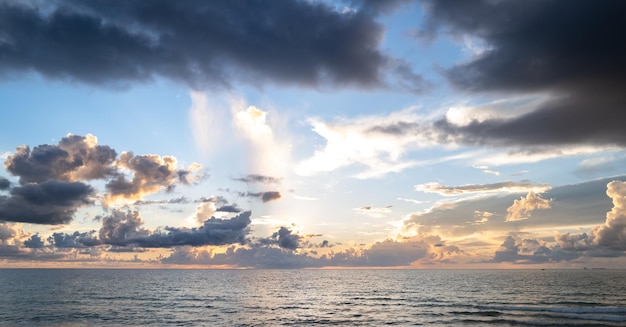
364, 142
523, 207
613, 232
270, 153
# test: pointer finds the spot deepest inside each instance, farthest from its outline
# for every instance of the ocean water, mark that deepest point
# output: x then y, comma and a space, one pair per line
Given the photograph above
84, 297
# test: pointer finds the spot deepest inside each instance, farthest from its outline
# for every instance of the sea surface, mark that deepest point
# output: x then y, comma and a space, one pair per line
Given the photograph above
102, 297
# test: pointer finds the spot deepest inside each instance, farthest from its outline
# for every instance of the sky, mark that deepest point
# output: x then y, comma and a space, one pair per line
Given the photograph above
313, 134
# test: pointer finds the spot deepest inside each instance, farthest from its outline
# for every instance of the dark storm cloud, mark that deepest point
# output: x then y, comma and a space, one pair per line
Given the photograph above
197, 42
376, 7
51, 202
5, 184
255, 178
568, 120
573, 50
538, 45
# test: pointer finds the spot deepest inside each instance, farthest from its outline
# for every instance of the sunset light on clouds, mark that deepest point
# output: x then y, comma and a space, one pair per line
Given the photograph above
312, 134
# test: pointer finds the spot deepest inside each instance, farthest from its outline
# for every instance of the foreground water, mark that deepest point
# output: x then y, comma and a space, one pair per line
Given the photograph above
67, 297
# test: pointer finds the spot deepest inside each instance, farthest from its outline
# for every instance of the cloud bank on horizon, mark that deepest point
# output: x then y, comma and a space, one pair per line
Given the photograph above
538, 81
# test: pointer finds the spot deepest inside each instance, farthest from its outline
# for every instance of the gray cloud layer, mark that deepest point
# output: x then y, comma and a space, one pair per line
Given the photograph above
5, 184
197, 42
51, 202
572, 50
124, 230
387, 253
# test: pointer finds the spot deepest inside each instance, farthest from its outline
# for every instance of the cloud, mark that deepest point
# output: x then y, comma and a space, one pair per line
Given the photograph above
375, 7
232, 208
572, 206
52, 177
305, 198
5, 184
214, 231
75, 240
526, 251
255, 178
368, 141
34, 242
534, 154
216, 204
387, 253
381, 142
504, 187
376, 145
264, 196
126, 229
600, 165
204, 211
7, 232
150, 174
201, 44
51, 202
270, 153
285, 238
179, 200
602, 241
374, 211
575, 58
256, 257
121, 228
612, 233
74, 158
220, 203
524, 206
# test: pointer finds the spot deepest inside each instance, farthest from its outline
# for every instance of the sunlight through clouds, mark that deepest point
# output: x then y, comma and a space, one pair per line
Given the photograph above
269, 155
312, 134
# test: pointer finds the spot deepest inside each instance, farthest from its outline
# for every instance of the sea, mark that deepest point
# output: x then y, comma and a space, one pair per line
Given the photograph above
125, 297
